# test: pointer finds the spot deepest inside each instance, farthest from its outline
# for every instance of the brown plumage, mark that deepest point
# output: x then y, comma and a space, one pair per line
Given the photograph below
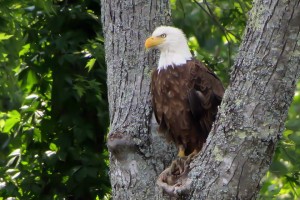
185, 94
185, 102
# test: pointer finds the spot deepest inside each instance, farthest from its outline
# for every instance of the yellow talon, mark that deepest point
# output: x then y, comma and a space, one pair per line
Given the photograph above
181, 153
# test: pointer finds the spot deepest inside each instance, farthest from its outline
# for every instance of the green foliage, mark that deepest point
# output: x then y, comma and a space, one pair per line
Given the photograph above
54, 112
214, 29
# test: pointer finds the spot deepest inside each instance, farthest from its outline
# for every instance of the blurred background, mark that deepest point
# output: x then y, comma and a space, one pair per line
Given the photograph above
53, 103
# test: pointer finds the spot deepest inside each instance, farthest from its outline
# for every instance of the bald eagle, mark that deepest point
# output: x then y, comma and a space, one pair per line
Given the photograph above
185, 93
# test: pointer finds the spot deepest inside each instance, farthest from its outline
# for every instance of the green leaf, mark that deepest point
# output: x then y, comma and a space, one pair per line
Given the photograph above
2, 123
37, 136
12, 170
31, 80
16, 152
4, 36
90, 64
14, 118
15, 175
53, 147
13, 160
25, 49
32, 96
79, 90
50, 153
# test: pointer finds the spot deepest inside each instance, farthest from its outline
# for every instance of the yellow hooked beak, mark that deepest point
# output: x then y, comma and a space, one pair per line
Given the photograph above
153, 41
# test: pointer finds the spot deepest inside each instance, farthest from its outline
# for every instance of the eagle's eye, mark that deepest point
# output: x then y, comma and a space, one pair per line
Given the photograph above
163, 35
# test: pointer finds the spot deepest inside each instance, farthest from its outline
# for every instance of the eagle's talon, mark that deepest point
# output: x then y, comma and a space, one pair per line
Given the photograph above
181, 152
179, 166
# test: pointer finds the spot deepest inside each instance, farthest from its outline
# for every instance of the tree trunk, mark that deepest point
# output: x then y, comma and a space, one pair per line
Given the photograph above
251, 118
137, 157
255, 106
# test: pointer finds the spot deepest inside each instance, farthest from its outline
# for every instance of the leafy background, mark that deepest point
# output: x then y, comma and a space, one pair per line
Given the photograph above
53, 103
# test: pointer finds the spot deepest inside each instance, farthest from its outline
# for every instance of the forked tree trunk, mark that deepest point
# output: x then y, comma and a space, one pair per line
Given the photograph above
251, 118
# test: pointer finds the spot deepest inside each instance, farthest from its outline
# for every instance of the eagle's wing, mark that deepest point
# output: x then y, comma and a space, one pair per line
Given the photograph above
157, 110
205, 95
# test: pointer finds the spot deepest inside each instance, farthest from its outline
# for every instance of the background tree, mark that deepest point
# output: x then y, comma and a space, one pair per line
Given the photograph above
54, 112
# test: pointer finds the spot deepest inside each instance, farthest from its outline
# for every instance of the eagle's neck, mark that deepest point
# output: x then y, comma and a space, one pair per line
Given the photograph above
174, 57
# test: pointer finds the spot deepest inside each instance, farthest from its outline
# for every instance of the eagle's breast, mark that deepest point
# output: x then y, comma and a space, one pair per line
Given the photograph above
170, 87
185, 100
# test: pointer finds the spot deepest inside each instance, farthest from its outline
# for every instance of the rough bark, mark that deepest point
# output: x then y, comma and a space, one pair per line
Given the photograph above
251, 118
137, 157
254, 109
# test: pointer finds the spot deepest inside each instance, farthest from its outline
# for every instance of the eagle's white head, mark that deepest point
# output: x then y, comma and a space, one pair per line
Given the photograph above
172, 44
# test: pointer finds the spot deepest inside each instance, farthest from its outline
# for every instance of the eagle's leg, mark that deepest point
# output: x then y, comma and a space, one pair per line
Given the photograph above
181, 152
193, 154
